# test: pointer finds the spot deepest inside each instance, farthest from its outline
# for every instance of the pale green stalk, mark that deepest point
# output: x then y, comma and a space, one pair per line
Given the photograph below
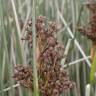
35, 74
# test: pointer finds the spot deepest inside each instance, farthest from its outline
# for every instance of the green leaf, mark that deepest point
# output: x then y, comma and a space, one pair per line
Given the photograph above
93, 70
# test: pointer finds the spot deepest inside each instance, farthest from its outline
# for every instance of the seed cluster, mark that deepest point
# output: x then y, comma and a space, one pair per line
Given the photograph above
90, 29
28, 31
53, 80
91, 4
23, 74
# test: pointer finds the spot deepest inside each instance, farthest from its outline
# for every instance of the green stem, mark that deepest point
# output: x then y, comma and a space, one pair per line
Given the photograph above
36, 93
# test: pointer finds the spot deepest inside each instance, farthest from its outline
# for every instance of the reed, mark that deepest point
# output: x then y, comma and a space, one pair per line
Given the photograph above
76, 32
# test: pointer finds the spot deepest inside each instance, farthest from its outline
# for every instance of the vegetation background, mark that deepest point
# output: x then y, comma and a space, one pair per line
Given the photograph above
70, 14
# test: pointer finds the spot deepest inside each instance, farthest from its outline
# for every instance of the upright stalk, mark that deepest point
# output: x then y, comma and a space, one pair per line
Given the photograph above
36, 93
93, 48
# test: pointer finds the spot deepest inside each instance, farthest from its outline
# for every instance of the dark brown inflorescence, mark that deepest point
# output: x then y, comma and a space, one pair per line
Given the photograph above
91, 4
23, 74
52, 80
90, 29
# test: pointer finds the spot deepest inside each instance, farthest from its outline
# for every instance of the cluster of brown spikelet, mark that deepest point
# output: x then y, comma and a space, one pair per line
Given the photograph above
90, 29
53, 80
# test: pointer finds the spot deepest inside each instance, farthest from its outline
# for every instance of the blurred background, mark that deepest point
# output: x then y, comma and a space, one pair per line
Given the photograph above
70, 14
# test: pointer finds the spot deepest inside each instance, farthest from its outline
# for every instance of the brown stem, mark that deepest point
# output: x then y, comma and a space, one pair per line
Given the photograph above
93, 48
39, 48
38, 55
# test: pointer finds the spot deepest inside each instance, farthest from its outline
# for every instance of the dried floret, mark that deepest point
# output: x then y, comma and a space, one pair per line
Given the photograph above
23, 74
52, 80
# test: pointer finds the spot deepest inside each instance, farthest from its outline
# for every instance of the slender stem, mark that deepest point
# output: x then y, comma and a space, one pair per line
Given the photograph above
34, 51
18, 33
9, 88
76, 61
92, 53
